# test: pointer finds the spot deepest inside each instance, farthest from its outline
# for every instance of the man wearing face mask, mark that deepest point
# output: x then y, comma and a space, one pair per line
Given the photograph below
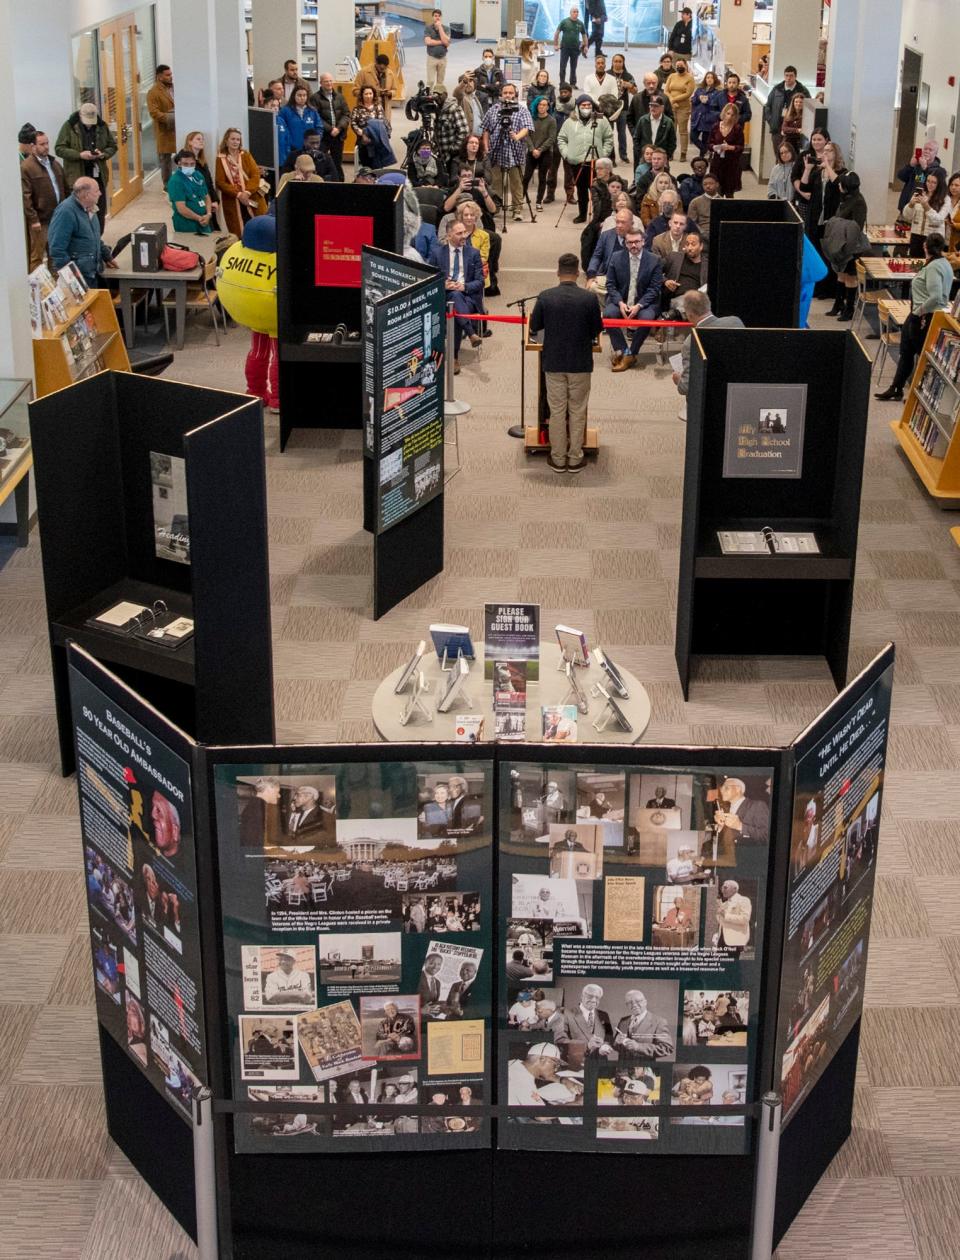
489, 80
187, 190
582, 139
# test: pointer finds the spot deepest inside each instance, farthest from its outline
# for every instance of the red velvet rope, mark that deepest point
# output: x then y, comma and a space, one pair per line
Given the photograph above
607, 323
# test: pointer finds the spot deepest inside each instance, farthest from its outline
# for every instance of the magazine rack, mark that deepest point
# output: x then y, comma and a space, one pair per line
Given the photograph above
772, 605
91, 448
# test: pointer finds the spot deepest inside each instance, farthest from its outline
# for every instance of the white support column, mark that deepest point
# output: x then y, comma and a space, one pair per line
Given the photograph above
842, 69
16, 351
736, 36
209, 63
335, 34
871, 134
275, 36
795, 39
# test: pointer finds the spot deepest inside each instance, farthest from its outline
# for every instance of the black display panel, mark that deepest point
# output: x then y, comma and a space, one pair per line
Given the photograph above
358, 930
136, 822
632, 908
838, 791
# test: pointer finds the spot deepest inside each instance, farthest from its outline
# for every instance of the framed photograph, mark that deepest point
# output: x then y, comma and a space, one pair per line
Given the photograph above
764, 430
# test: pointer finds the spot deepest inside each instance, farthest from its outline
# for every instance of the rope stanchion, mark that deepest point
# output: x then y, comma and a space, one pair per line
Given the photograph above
452, 406
607, 323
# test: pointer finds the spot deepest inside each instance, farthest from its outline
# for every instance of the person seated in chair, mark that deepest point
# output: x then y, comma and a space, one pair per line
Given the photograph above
461, 264
634, 284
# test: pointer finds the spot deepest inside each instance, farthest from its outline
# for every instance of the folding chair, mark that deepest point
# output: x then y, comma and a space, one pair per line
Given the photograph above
200, 297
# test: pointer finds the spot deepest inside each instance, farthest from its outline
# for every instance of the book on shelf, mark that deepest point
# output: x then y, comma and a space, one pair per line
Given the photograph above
945, 352
938, 394
926, 431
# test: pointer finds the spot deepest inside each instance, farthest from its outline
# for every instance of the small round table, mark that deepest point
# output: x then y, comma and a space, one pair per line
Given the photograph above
551, 688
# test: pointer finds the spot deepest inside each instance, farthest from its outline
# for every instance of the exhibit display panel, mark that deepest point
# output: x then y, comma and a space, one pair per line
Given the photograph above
350, 943
776, 433
357, 907
755, 261
632, 910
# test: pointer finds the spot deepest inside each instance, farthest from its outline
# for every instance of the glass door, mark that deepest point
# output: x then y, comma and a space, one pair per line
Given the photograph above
120, 90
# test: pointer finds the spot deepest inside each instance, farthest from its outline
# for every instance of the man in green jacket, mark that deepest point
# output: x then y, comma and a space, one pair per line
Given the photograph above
570, 38
657, 129
584, 137
85, 146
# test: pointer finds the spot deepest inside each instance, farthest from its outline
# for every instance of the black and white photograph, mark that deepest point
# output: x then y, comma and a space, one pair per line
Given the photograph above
359, 958
566, 901
540, 1074
109, 892
311, 885
537, 799
529, 952
390, 1026
388, 840
330, 1040
450, 806
447, 980
709, 1085
618, 1021
294, 813
731, 917
576, 850
387, 1086
287, 1124
437, 913
601, 798
268, 1048
447, 1097
715, 1018
677, 917
281, 978
684, 864
171, 524
659, 801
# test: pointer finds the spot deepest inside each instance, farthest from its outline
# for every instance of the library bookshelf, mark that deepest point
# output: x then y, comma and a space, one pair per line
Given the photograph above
927, 430
67, 353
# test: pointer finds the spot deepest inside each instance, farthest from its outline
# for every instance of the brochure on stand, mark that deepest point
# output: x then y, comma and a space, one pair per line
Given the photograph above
511, 632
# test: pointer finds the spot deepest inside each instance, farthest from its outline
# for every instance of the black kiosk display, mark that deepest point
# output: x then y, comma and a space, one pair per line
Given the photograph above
361, 976
321, 231
151, 497
755, 259
776, 432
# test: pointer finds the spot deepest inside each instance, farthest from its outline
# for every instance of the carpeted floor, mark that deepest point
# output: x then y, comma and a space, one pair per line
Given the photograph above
598, 551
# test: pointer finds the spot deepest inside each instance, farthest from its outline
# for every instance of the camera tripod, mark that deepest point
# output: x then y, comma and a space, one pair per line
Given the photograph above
506, 111
590, 161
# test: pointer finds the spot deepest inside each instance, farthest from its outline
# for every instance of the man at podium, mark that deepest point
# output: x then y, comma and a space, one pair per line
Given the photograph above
570, 321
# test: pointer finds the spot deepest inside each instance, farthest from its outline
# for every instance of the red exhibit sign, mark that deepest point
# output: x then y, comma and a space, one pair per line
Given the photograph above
337, 244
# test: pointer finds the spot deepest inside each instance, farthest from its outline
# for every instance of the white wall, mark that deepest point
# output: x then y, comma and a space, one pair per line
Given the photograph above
930, 26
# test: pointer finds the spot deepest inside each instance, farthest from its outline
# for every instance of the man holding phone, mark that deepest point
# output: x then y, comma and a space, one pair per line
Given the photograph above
85, 146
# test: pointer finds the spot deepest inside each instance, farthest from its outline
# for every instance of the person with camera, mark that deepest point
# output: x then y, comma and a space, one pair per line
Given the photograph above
505, 127
584, 137
451, 127
489, 79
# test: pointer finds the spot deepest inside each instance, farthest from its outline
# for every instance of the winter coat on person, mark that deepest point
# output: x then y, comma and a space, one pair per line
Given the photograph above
73, 139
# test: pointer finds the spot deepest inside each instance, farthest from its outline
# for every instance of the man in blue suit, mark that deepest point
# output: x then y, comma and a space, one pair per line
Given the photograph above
634, 282
460, 263
609, 243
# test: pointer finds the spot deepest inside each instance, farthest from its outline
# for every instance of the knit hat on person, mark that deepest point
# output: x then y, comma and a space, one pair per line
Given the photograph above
392, 177
585, 97
261, 234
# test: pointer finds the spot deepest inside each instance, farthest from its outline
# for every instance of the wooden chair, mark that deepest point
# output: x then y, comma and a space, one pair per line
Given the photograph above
200, 297
866, 297
889, 336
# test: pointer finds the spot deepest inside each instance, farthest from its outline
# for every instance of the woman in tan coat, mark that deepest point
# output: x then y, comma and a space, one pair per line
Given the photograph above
238, 182
680, 87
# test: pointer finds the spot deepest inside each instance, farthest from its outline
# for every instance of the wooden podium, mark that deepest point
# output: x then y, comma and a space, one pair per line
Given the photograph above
535, 436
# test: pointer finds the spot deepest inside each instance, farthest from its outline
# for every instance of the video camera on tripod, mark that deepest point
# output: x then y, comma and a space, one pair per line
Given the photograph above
423, 108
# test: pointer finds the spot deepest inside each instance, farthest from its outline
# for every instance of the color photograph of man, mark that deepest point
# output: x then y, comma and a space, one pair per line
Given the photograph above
734, 913
450, 806
586, 1025
576, 851
165, 826
539, 1076
712, 1018
676, 917
643, 1036
390, 1027
749, 819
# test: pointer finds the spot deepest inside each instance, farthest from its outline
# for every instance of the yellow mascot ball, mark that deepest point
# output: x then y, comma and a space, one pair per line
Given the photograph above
247, 287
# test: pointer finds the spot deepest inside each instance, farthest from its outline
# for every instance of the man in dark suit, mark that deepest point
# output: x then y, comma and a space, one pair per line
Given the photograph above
586, 1024
609, 242
656, 128
461, 264
569, 843
569, 319
306, 814
696, 307
634, 283
660, 800
751, 819
641, 1036
43, 186
429, 986
459, 994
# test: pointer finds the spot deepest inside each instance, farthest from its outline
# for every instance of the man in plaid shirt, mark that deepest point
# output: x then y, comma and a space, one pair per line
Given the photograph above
505, 132
452, 128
